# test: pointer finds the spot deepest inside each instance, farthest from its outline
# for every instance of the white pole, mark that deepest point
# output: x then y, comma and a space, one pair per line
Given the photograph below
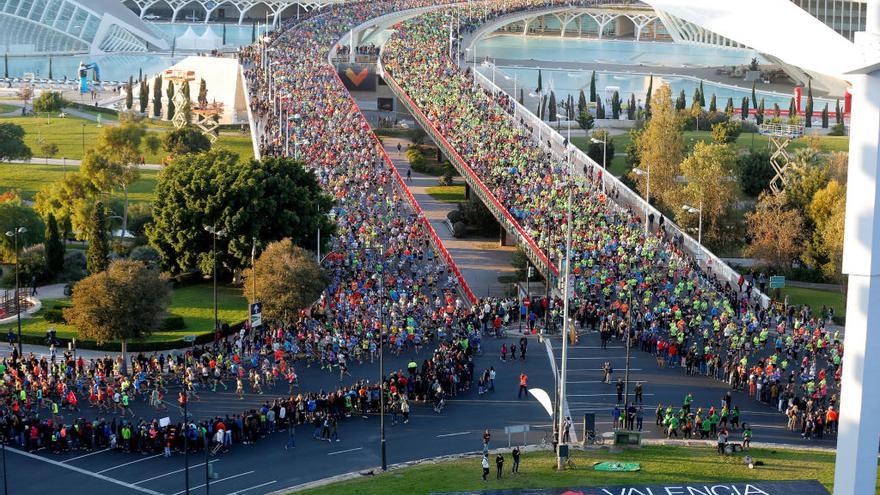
700, 225
319, 245
564, 371
647, 198
855, 470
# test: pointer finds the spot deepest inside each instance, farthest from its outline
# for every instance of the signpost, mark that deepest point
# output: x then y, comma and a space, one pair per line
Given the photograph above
516, 429
256, 314
777, 282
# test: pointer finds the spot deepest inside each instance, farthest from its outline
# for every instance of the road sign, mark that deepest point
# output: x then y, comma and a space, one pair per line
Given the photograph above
256, 314
509, 430
777, 282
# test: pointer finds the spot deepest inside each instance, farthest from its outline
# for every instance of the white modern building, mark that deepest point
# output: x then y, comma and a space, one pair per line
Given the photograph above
74, 26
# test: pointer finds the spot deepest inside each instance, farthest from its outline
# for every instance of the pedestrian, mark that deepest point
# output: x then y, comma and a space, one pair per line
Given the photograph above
291, 440
619, 390
515, 467
523, 385
499, 466
486, 437
485, 466
638, 392
747, 436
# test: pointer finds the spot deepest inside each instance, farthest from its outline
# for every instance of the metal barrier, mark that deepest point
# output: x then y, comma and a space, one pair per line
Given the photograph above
255, 138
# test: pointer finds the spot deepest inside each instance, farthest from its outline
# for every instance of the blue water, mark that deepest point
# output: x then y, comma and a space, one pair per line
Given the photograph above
657, 53
565, 82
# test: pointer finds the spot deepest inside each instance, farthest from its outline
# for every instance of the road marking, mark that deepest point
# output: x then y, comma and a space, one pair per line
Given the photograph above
82, 471
454, 434
86, 455
128, 463
778, 427
344, 451
593, 358
598, 369
612, 394
221, 480
172, 472
596, 381
595, 347
239, 492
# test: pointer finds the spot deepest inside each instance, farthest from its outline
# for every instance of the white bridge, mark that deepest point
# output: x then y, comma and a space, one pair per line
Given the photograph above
274, 7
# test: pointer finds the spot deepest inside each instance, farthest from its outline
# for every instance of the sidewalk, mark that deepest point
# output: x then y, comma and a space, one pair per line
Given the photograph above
481, 260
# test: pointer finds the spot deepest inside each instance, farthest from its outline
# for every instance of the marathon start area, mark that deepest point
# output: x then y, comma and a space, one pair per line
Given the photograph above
803, 487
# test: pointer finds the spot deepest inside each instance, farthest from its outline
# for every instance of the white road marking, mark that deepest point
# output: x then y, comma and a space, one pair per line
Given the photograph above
593, 358
595, 347
86, 455
612, 394
596, 381
598, 369
777, 427
82, 471
128, 463
170, 473
221, 480
454, 434
239, 492
344, 451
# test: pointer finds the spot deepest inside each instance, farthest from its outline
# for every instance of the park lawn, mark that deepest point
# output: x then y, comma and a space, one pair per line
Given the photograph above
237, 143
447, 194
815, 298
28, 178
6, 108
194, 303
659, 465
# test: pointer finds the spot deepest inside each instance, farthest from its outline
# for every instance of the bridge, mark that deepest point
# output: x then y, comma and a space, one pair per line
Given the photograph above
274, 7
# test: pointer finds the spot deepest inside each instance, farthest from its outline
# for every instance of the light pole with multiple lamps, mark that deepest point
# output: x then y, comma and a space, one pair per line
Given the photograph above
604, 142
211, 229
647, 174
699, 211
14, 233
560, 416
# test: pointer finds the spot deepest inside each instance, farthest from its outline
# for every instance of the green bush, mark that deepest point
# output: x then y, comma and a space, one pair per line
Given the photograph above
726, 132
455, 216
172, 323
54, 315
837, 130
459, 229
49, 101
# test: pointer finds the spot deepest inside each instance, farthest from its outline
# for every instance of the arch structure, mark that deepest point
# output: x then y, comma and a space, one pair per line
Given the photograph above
275, 7
369, 32
74, 26
600, 16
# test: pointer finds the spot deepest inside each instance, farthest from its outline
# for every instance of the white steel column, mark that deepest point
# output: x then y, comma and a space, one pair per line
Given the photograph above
855, 470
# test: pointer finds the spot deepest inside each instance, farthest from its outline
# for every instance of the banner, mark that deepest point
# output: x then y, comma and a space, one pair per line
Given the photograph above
357, 77
800, 487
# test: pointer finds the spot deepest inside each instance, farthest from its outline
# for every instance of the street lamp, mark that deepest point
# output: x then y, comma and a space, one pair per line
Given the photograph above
382, 361
215, 232
296, 145
566, 325
604, 142
646, 173
699, 211
14, 233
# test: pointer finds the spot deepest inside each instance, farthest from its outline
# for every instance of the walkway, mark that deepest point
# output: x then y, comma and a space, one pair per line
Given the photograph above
481, 260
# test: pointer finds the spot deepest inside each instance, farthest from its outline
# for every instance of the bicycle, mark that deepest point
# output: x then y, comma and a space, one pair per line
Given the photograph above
590, 438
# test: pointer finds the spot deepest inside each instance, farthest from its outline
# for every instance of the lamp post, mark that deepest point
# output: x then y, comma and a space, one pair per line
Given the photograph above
296, 145
604, 142
699, 211
14, 233
382, 362
646, 173
295, 118
560, 417
215, 232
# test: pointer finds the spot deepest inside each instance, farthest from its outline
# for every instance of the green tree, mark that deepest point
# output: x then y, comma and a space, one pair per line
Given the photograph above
12, 145
157, 97
585, 120
552, 107
754, 96
187, 139
726, 132
754, 171
776, 111
288, 279
49, 102
808, 110
826, 210
72, 199
631, 107
681, 101
615, 105
825, 117
129, 93
593, 87
702, 95
143, 95
648, 97
713, 104
708, 184
214, 188
759, 113
187, 106
729, 108
596, 151
775, 232
582, 102
807, 173
838, 115
48, 150
203, 93
169, 94
127, 301
660, 147
600, 109
54, 246
540, 87
792, 108
98, 251
745, 108
14, 214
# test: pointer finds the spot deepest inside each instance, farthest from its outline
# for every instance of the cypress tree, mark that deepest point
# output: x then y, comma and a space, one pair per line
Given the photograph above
129, 94
187, 106
98, 251
224, 33
552, 107
593, 87
203, 91
143, 95
631, 108
713, 104
729, 108
680, 102
50, 67
825, 117
702, 95
776, 110
792, 108
615, 105
754, 97
696, 99
808, 110
838, 117
540, 87
759, 115
600, 109
253, 31
521, 96
745, 108
54, 246
157, 97
582, 102
169, 93
648, 97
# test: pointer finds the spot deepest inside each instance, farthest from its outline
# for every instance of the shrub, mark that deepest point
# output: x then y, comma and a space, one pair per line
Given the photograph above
726, 132
459, 229
147, 254
172, 323
54, 316
837, 130
49, 101
455, 216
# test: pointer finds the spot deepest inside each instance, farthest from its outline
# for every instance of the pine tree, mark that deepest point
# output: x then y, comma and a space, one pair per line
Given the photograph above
838, 117
593, 87
600, 109
729, 108
157, 97
552, 107
702, 96
713, 104
631, 108
696, 99
143, 95
808, 110
680, 102
54, 246
615, 105
825, 117
759, 114
129, 94
792, 108
203, 92
582, 102
98, 252
169, 93
648, 97
745, 108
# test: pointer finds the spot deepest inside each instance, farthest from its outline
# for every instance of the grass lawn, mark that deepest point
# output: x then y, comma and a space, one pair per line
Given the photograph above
447, 194
237, 143
28, 178
816, 298
6, 108
194, 303
659, 465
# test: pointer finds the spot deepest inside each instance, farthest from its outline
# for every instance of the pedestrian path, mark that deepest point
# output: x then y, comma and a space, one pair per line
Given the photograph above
481, 260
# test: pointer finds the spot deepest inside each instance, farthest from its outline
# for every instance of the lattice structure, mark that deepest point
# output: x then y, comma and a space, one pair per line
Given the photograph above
780, 135
179, 77
207, 118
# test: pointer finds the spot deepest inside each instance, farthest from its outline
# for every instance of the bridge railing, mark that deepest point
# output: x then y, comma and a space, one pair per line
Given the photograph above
510, 225
565, 152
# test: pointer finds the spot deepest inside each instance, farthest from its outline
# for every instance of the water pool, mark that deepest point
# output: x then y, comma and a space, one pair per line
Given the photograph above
657, 53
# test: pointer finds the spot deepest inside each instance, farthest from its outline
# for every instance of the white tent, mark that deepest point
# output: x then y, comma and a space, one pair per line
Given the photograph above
209, 40
188, 40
